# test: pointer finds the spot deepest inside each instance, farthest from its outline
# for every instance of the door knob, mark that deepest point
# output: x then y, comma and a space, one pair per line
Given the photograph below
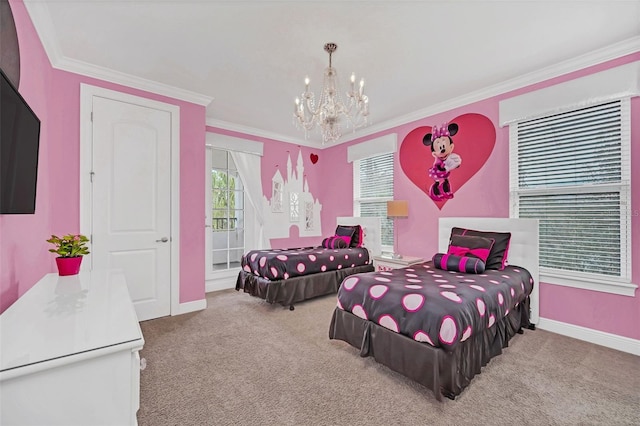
162, 240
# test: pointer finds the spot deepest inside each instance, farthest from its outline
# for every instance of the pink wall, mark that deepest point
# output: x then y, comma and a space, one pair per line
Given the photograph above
275, 158
486, 194
417, 235
24, 258
54, 95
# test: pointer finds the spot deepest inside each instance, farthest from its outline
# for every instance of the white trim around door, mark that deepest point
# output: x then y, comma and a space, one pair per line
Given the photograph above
87, 93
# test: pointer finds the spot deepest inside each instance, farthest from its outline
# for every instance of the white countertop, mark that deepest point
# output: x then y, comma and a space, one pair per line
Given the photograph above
65, 316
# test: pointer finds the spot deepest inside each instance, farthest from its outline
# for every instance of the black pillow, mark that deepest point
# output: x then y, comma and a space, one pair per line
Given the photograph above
334, 242
451, 262
354, 232
466, 245
499, 251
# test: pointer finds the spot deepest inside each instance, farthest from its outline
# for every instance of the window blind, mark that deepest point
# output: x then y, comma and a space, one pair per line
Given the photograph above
379, 209
572, 172
376, 176
374, 187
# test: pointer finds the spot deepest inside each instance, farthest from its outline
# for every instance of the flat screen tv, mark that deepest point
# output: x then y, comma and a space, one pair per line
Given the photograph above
19, 143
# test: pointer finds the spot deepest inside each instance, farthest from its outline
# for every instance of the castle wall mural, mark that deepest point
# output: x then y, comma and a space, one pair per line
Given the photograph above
291, 203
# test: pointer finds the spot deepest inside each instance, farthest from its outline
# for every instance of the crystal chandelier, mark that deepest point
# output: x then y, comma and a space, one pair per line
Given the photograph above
328, 112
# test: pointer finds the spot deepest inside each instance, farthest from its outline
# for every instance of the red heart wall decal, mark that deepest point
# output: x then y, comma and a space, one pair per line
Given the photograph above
474, 143
314, 158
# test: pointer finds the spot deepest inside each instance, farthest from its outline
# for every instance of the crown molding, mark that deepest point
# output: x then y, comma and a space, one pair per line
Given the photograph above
117, 77
225, 125
41, 18
614, 51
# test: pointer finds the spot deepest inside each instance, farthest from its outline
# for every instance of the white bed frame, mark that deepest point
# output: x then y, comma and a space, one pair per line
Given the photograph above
371, 228
523, 248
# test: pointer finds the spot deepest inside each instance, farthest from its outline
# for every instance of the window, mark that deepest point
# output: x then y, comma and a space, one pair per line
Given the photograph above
373, 187
572, 172
227, 212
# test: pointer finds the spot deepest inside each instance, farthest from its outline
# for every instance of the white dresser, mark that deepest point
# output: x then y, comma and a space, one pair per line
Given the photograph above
69, 353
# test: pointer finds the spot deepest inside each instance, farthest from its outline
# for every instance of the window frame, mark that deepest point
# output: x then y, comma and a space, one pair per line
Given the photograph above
357, 200
210, 273
621, 285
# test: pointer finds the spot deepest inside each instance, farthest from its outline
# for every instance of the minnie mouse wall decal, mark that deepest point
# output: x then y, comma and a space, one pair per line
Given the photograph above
474, 142
445, 160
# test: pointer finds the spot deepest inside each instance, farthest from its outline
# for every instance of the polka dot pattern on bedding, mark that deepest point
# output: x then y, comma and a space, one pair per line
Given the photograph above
436, 308
277, 264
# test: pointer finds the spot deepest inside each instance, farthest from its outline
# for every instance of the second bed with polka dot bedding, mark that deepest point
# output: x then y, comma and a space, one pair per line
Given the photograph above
441, 308
439, 327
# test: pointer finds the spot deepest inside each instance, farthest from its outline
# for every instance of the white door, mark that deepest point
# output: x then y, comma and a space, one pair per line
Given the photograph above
131, 200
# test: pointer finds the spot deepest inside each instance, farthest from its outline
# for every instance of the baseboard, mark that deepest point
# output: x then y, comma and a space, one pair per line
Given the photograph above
220, 284
613, 341
196, 305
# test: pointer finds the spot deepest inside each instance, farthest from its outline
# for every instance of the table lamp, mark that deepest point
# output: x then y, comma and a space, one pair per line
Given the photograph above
395, 209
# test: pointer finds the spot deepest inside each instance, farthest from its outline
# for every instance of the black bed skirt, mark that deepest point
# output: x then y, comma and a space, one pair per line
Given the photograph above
293, 290
445, 373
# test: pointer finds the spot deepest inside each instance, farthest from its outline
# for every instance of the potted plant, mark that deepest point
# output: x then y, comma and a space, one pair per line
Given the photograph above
70, 249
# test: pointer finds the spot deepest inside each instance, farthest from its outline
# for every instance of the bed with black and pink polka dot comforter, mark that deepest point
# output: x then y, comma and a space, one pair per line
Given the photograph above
279, 264
426, 304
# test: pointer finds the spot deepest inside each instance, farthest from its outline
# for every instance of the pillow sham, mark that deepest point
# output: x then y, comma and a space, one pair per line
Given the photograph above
463, 245
334, 242
451, 262
354, 232
498, 255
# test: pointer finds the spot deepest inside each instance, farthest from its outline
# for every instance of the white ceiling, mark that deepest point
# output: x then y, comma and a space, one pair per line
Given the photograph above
251, 56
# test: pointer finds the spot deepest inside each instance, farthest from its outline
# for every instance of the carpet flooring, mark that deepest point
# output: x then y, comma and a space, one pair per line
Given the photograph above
243, 361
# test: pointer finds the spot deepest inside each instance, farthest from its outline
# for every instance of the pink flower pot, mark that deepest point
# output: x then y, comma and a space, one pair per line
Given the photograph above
68, 265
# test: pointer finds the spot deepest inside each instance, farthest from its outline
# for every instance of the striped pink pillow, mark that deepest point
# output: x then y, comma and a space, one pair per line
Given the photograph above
451, 262
334, 242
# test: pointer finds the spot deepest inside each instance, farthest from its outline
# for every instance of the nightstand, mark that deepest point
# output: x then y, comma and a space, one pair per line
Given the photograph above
387, 263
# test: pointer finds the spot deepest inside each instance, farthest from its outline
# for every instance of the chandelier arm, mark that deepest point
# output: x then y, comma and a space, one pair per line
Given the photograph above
309, 105
330, 109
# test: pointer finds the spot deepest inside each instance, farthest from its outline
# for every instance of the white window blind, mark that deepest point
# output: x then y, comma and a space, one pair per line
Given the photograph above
572, 172
373, 187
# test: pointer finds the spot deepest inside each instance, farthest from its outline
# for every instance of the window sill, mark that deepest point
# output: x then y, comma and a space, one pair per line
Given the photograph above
601, 285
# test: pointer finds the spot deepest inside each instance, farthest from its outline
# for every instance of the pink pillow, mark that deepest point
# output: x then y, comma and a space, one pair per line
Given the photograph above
462, 245
345, 238
499, 251
355, 232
